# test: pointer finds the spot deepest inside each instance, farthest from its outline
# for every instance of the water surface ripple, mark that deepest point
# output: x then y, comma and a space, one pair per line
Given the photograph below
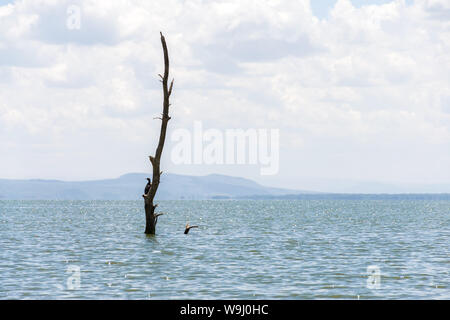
301, 249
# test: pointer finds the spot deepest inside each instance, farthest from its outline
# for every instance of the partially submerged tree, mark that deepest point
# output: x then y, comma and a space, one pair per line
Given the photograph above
151, 218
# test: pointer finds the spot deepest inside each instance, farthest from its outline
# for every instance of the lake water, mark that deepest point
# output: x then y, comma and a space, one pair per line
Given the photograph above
304, 249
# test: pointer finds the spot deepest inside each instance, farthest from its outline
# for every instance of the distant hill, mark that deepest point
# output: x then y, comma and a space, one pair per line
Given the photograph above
176, 187
130, 187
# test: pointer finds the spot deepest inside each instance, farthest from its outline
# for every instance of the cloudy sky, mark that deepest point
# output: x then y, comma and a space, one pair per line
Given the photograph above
360, 90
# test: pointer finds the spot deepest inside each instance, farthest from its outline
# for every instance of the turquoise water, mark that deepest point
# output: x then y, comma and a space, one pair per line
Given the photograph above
304, 249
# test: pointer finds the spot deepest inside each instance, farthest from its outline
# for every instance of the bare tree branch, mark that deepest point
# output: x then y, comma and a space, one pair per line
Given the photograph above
151, 217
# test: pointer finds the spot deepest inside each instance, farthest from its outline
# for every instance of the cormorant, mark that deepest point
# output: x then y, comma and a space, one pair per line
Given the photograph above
147, 187
188, 227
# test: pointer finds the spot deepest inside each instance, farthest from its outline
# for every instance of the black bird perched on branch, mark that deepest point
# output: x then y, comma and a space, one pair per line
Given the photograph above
188, 227
147, 187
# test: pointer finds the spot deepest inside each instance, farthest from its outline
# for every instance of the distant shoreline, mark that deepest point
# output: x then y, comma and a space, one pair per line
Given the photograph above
358, 196
293, 197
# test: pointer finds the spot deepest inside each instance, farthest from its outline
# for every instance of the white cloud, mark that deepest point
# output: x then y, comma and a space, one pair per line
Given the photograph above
366, 88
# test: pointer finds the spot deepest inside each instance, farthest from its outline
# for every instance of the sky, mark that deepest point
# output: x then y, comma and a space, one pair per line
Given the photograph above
359, 90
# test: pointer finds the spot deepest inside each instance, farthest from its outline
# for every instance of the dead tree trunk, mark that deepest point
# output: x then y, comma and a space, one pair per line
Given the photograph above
151, 218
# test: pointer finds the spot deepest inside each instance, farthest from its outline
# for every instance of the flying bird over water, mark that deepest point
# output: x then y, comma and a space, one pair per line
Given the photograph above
188, 227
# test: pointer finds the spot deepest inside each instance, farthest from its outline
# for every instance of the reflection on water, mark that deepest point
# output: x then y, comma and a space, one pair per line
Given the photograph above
241, 250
